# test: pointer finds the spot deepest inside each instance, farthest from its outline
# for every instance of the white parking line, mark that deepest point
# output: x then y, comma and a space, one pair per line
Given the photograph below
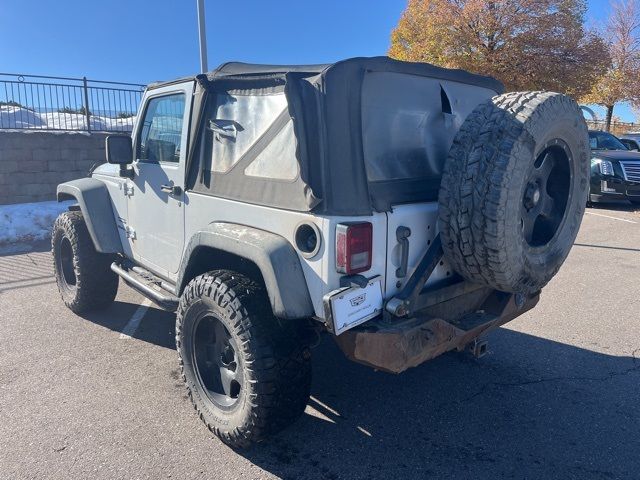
613, 218
133, 323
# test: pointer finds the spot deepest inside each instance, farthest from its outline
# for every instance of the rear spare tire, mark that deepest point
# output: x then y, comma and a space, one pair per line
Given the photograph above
513, 189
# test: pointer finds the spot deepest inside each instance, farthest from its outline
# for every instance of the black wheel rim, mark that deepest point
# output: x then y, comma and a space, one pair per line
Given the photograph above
546, 195
65, 263
216, 361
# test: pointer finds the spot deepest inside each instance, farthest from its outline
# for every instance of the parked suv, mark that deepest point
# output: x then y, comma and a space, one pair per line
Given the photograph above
403, 208
631, 141
615, 170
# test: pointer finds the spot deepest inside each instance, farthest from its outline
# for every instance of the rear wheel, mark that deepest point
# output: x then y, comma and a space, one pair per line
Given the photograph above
513, 190
248, 374
83, 275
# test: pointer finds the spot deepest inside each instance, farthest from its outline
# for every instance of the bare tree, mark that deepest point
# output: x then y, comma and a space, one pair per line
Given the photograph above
620, 82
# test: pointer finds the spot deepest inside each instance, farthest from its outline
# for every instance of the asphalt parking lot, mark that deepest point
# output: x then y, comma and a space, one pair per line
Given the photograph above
558, 396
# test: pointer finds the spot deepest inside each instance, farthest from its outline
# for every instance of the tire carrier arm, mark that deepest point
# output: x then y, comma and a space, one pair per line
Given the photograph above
413, 297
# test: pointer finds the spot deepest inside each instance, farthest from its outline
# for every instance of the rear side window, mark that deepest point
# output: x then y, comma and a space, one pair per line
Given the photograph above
161, 133
238, 122
278, 159
248, 147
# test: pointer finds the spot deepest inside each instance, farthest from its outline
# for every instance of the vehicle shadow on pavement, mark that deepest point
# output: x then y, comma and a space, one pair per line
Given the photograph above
157, 326
532, 408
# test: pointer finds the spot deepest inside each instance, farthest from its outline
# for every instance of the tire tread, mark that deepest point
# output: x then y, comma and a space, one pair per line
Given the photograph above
278, 362
96, 285
477, 177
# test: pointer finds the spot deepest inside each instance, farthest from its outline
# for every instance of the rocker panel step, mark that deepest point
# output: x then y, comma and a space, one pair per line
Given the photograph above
164, 300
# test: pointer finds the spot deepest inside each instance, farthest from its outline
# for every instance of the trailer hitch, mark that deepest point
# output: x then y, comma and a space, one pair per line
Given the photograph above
478, 348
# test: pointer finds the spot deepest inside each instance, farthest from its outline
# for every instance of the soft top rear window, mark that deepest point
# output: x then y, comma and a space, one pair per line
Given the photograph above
409, 122
400, 118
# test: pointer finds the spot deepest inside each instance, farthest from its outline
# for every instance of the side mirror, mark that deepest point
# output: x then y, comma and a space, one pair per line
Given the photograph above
120, 152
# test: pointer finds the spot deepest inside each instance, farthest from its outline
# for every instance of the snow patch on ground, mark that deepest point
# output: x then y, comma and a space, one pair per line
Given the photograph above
26, 222
18, 117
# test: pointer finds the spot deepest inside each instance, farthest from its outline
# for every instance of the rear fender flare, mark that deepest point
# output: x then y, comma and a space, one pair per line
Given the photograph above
274, 256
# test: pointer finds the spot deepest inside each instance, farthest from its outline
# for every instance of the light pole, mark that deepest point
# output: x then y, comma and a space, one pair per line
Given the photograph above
203, 37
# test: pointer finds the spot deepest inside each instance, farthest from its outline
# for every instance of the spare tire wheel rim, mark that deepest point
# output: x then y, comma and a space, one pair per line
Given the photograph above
547, 195
65, 263
215, 355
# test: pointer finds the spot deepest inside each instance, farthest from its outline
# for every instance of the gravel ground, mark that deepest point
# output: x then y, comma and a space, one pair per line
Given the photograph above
556, 397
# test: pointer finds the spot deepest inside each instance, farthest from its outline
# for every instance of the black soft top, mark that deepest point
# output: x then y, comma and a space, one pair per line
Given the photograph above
325, 104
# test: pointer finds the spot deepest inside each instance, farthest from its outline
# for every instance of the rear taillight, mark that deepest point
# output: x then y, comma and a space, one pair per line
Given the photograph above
353, 247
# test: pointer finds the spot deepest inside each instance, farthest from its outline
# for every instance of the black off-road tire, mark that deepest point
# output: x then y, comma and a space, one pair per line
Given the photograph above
84, 277
486, 190
272, 359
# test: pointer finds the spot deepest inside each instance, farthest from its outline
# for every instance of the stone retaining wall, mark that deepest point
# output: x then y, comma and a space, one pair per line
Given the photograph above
33, 163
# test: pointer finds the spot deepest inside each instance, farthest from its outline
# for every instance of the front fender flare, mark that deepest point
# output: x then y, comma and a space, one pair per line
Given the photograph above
94, 201
272, 254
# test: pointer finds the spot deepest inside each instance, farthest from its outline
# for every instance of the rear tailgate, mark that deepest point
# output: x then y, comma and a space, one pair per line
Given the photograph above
408, 126
422, 221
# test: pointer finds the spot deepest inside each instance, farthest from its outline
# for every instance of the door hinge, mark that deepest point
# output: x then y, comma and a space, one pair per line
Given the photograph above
130, 232
128, 190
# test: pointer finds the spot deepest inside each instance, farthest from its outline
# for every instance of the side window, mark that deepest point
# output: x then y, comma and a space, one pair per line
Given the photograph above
278, 160
239, 121
161, 132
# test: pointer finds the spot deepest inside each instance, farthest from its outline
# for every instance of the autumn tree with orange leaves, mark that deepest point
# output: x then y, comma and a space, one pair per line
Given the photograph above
526, 44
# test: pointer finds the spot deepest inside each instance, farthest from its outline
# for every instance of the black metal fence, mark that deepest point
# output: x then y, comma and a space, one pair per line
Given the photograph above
37, 102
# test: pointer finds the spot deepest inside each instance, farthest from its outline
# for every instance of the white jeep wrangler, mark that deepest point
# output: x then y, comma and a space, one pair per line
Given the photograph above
405, 209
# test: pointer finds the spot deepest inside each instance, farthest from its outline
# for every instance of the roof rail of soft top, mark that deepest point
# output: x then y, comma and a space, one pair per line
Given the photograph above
240, 69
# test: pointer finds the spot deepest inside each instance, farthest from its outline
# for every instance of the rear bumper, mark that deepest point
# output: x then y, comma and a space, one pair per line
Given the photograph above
394, 345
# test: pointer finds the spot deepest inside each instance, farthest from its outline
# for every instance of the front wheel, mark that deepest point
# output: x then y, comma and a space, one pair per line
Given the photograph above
84, 277
248, 374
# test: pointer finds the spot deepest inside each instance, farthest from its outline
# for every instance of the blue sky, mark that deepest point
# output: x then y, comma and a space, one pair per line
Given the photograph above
143, 41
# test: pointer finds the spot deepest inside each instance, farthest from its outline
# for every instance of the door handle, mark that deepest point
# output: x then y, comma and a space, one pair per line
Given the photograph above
171, 189
402, 235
